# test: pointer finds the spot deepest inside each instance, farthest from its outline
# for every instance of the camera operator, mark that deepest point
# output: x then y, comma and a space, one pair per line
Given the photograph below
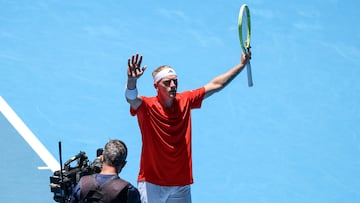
107, 186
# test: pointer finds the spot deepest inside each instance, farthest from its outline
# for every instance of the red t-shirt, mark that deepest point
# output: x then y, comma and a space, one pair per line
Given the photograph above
166, 157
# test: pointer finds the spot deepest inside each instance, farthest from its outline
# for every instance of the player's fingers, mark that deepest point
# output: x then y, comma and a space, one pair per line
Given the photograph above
140, 60
132, 59
136, 58
249, 52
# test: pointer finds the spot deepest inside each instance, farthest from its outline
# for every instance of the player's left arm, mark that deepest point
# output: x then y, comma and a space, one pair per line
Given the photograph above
221, 81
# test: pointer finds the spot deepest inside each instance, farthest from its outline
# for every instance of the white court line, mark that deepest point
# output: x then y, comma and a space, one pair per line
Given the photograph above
28, 136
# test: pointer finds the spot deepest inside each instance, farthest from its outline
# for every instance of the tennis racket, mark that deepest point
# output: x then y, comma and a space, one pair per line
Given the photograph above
244, 27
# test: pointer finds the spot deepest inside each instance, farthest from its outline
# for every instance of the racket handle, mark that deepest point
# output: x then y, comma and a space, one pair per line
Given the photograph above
249, 74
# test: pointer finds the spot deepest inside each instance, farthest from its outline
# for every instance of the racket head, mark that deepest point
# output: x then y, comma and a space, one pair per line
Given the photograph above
244, 27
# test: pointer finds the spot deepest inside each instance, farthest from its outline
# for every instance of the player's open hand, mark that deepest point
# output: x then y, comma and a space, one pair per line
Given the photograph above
134, 69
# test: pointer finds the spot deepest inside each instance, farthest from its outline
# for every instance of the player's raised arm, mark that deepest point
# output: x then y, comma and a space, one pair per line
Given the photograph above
134, 71
224, 79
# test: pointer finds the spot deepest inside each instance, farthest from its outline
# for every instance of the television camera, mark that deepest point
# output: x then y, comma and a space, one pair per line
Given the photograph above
64, 180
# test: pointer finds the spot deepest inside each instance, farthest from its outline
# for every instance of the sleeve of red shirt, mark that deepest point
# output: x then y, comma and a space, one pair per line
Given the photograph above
197, 98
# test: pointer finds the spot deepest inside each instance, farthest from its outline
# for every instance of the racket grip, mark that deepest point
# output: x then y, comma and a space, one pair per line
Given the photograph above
249, 74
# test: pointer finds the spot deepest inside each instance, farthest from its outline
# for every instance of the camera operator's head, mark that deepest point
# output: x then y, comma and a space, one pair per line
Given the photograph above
114, 154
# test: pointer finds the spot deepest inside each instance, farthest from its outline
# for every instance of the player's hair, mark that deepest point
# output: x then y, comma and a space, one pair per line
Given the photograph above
160, 68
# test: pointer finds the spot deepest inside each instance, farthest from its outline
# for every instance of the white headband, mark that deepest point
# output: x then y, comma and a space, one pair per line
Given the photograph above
164, 73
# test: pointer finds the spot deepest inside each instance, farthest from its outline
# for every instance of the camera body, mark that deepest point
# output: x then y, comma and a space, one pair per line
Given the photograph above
64, 180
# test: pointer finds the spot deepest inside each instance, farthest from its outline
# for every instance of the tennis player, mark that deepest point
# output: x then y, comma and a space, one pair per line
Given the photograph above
165, 172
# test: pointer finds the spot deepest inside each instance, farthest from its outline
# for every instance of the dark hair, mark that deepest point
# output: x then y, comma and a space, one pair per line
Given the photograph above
115, 152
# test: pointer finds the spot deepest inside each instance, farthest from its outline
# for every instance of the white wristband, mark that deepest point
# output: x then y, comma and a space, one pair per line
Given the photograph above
131, 94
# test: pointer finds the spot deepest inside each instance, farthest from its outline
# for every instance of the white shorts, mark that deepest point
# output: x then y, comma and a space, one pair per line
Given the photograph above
151, 193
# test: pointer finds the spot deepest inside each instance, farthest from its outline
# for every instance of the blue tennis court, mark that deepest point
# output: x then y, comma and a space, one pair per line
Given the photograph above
23, 181
293, 137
